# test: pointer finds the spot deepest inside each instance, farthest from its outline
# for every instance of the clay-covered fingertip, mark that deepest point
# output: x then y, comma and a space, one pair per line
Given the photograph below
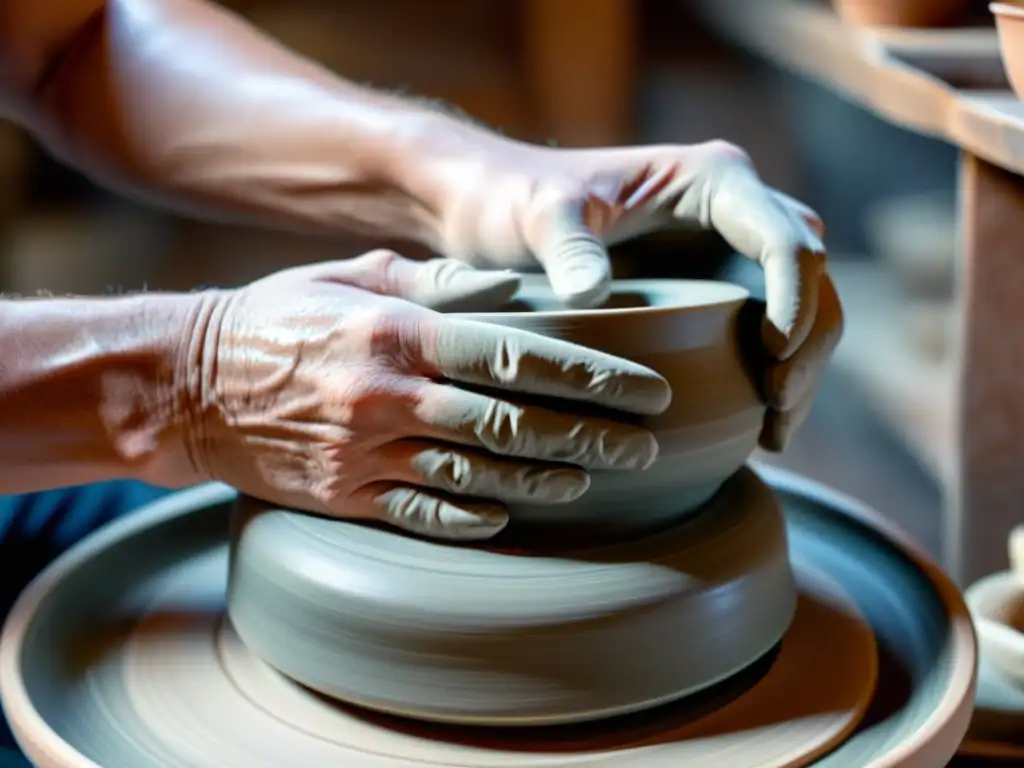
499, 287
587, 298
473, 521
478, 292
774, 389
779, 344
565, 485
645, 454
660, 397
772, 439
486, 529
644, 393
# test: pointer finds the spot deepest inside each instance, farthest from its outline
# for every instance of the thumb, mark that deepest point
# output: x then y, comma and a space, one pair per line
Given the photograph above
575, 260
443, 285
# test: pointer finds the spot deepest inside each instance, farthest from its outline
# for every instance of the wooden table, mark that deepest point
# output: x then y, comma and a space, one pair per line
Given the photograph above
966, 420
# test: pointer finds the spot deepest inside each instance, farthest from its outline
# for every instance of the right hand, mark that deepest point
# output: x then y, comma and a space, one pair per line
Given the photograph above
312, 392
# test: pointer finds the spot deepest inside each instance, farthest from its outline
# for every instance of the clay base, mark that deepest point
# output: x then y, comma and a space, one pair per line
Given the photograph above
460, 634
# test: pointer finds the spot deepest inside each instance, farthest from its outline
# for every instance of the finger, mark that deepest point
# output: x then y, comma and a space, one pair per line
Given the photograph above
426, 513
515, 360
787, 382
574, 258
748, 215
441, 284
809, 216
780, 426
462, 472
452, 415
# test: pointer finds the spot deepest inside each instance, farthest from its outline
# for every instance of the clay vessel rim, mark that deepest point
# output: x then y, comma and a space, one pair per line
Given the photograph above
674, 296
1006, 10
996, 588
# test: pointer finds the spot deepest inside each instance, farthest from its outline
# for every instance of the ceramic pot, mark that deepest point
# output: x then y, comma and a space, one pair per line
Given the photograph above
1010, 26
902, 13
703, 337
506, 634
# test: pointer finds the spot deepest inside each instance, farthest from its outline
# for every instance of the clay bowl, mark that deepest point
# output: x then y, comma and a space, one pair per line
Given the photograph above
702, 336
902, 13
1010, 26
997, 606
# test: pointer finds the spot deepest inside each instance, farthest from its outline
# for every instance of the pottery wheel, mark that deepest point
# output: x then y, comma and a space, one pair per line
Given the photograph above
96, 674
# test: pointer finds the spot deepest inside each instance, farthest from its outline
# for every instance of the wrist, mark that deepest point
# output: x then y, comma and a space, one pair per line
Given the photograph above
91, 390
193, 323
150, 350
432, 158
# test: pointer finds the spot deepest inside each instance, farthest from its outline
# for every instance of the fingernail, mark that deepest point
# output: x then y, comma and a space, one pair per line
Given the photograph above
477, 522
635, 450
470, 290
561, 485
816, 243
576, 297
775, 385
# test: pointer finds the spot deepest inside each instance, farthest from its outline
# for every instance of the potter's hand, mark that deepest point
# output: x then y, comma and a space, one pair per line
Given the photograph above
313, 392
513, 205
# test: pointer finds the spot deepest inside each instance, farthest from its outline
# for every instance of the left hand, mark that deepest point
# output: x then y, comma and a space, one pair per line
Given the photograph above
513, 205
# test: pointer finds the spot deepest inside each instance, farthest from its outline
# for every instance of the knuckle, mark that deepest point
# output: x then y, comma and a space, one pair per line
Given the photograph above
376, 328
364, 392
722, 150
450, 470
387, 328
379, 267
332, 485
380, 257
501, 429
409, 508
782, 247
374, 399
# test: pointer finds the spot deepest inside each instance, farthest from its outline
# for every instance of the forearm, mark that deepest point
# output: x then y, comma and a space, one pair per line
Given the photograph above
188, 105
90, 388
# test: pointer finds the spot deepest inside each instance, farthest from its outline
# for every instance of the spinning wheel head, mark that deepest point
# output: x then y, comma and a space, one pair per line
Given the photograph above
94, 674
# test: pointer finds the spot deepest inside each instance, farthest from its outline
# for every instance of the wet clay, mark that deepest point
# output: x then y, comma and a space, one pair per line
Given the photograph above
465, 634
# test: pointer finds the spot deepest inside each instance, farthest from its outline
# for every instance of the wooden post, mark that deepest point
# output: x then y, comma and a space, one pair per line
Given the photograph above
581, 69
987, 488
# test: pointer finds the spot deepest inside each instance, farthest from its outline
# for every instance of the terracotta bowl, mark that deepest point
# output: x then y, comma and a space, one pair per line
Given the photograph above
702, 337
902, 13
1010, 25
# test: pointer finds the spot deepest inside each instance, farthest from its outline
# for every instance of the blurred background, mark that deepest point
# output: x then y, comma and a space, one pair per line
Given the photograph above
579, 72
